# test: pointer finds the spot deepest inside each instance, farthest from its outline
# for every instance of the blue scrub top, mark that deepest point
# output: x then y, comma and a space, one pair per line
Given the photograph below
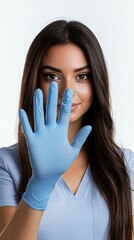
83, 216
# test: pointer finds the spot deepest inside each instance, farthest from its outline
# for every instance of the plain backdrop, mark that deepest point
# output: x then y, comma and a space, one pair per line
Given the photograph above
111, 22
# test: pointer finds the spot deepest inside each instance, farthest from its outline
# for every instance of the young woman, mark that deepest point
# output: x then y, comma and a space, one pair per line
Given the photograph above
66, 178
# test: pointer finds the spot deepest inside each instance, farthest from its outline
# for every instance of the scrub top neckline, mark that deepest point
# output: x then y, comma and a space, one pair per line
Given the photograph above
81, 188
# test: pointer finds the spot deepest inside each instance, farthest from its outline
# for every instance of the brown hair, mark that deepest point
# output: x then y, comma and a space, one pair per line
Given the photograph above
108, 168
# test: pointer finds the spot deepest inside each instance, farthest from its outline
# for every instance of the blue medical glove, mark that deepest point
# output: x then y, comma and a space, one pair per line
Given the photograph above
50, 152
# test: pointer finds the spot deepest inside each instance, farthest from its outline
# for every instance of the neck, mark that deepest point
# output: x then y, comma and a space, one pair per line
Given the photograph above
73, 129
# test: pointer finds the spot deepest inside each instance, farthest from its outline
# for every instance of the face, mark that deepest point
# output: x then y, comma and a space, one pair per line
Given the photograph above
66, 64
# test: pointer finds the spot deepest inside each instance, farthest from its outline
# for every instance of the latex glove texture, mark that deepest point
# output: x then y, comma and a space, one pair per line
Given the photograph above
50, 152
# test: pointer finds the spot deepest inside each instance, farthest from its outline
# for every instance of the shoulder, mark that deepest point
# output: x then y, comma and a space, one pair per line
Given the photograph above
11, 150
10, 161
129, 158
9, 155
129, 162
10, 175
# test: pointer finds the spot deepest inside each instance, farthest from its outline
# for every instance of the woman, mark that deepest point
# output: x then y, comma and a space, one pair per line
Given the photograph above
66, 178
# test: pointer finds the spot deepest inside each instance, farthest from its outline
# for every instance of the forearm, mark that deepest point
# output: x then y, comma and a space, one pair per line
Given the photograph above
24, 224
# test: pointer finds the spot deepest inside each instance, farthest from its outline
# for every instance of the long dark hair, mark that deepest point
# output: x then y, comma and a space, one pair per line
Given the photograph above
107, 164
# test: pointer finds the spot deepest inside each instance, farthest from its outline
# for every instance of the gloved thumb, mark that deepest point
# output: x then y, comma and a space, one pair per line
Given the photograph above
81, 137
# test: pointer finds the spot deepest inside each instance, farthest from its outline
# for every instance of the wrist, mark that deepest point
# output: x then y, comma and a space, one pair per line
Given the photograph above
38, 192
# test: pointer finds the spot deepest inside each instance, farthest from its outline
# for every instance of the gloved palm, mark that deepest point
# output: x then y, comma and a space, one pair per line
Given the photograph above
50, 152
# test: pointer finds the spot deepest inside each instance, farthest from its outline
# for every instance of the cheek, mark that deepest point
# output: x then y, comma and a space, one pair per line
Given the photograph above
86, 93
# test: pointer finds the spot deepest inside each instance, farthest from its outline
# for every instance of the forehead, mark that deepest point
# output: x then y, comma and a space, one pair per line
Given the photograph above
65, 54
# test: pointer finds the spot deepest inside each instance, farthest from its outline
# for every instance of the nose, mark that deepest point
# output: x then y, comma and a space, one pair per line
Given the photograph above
65, 85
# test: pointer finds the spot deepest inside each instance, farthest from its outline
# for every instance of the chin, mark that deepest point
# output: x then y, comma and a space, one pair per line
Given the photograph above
74, 118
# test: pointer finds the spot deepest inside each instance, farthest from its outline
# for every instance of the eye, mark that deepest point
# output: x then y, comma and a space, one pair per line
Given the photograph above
83, 76
50, 76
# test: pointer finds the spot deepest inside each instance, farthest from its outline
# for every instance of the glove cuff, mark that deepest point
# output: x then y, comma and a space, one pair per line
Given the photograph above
38, 192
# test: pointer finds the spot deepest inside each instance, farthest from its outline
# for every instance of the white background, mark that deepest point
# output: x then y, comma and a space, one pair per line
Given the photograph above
113, 24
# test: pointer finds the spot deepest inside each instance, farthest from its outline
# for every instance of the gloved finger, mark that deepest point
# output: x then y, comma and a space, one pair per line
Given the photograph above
81, 137
66, 108
25, 124
51, 107
38, 110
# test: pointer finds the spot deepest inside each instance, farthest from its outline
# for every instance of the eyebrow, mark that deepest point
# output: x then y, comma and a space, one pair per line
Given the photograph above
59, 70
